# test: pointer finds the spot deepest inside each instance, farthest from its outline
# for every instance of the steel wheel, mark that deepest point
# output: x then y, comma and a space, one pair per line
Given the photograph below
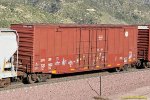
145, 65
118, 69
125, 68
39, 78
42, 78
30, 79
49, 76
148, 64
138, 64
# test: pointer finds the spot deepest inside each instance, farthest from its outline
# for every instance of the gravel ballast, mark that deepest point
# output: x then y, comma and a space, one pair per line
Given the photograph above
82, 89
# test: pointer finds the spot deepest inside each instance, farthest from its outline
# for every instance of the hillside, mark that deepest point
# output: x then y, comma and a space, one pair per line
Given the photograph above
74, 11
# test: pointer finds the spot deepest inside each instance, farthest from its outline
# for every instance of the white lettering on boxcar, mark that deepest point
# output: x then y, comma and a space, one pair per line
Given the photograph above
100, 37
42, 66
50, 64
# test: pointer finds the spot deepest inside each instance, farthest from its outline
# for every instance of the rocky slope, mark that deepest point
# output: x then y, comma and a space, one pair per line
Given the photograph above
74, 11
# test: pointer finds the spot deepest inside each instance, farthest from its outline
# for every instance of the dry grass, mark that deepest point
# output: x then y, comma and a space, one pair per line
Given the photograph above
100, 98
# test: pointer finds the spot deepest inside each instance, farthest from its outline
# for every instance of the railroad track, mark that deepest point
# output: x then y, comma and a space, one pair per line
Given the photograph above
69, 77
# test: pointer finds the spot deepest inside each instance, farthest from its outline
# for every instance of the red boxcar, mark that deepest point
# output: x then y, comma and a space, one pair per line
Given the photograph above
59, 49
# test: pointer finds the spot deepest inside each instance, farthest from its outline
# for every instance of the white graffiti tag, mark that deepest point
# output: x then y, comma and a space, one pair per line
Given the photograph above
70, 63
57, 61
64, 61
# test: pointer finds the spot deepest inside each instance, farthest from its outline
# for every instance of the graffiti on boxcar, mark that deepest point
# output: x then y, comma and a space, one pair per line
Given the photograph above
42, 60
61, 61
125, 60
64, 61
50, 64
130, 54
70, 63
57, 61
43, 66
36, 66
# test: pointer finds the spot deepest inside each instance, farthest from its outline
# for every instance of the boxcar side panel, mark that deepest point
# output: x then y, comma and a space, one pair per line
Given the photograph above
84, 47
67, 57
111, 48
41, 49
119, 44
51, 48
58, 50
131, 52
101, 48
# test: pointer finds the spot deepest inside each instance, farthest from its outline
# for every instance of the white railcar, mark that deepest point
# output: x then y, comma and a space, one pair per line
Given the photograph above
8, 47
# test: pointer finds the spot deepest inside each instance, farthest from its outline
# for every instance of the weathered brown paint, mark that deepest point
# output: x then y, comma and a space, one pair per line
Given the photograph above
76, 48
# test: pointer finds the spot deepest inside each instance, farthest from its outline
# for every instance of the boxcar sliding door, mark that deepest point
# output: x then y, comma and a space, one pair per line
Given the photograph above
100, 40
92, 48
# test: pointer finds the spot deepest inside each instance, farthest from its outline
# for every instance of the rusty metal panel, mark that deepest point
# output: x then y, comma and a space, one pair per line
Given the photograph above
99, 47
26, 37
131, 33
121, 46
56, 49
